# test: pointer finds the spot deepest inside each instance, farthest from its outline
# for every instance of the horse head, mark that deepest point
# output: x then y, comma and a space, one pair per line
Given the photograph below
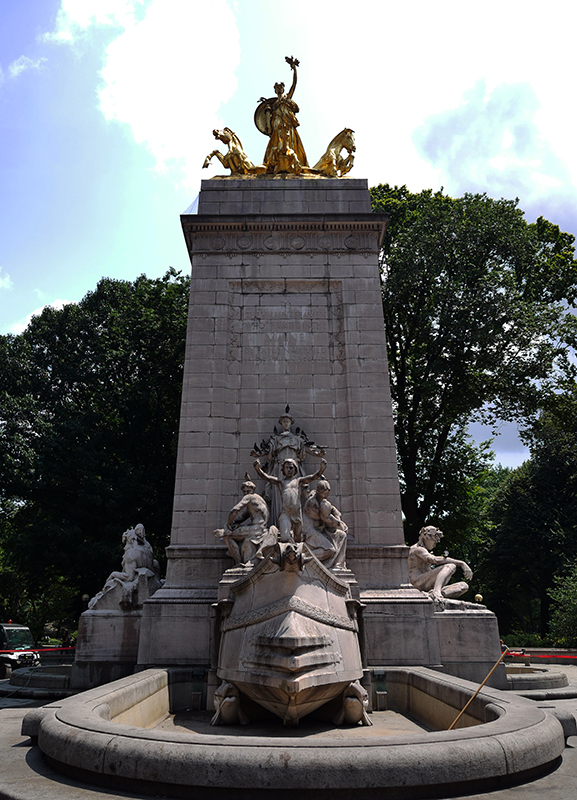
346, 139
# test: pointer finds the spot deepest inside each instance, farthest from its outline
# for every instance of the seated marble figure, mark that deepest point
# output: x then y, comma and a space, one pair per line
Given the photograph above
431, 573
247, 531
324, 531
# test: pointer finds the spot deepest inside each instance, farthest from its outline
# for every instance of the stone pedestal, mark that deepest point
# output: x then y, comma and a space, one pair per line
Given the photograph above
107, 647
285, 309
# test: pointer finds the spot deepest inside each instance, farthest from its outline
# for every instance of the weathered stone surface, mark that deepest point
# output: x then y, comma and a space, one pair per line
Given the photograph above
288, 634
277, 333
285, 309
524, 678
82, 733
107, 647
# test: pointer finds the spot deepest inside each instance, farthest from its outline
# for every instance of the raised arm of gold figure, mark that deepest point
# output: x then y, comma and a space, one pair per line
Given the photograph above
293, 64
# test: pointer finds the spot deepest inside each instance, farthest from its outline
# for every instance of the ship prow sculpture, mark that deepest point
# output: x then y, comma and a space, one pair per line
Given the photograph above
276, 117
289, 634
288, 622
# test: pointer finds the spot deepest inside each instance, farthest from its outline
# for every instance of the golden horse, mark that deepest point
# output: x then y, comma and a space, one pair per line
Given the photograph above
332, 164
236, 160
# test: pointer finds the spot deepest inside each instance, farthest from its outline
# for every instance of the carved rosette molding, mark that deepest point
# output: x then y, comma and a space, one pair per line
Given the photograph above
205, 238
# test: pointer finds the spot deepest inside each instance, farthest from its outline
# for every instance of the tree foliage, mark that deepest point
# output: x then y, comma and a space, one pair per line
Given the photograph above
89, 410
476, 303
564, 611
534, 537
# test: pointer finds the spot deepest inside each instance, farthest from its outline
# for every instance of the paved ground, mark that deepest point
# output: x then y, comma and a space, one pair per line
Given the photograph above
24, 775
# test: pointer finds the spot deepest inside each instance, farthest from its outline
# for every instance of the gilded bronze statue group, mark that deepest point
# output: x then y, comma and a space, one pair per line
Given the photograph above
276, 117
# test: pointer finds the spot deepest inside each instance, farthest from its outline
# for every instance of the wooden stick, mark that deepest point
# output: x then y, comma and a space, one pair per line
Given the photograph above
470, 700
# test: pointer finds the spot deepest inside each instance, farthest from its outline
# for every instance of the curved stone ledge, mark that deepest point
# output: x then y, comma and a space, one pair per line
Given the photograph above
522, 678
80, 736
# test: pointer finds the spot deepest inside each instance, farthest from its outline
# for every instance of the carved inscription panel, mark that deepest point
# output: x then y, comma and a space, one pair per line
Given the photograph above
277, 324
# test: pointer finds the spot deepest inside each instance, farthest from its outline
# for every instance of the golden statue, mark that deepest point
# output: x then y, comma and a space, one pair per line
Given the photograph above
276, 117
236, 160
332, 164
285, 154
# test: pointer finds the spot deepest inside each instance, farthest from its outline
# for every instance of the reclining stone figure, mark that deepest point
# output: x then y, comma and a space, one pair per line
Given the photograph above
139, 579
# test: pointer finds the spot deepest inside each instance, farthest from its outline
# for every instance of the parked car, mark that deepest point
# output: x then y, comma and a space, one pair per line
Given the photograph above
16, 648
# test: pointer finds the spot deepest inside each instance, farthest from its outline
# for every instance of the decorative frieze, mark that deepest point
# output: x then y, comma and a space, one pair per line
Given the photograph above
282, 237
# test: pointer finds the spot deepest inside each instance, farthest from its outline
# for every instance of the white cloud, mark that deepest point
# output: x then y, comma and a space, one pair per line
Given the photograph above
75, 17
23, 63
385, 68
166, 72
21, 325
165, 79
491, 143
171, 64
5, 282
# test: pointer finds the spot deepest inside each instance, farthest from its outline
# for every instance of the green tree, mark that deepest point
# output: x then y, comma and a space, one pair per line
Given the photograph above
463, 505
89, 410
534, 538
564, 609
477, 316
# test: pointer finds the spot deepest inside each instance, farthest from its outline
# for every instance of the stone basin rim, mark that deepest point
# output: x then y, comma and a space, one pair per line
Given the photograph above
485, 730
76, 738
87, 712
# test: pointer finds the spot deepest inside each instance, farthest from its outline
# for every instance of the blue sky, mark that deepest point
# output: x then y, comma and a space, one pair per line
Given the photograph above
107, 109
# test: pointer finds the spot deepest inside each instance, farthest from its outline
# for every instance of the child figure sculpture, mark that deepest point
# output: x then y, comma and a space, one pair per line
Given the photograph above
290, 520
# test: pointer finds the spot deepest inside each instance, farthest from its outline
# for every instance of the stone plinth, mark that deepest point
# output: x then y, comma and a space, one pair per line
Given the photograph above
107, 647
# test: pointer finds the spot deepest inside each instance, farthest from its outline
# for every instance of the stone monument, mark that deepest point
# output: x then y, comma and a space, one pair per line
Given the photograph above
285, 312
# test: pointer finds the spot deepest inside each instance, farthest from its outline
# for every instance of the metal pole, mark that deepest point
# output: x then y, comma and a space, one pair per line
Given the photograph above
470, 700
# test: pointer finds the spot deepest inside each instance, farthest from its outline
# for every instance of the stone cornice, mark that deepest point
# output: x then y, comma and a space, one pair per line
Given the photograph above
337, 233
196, 223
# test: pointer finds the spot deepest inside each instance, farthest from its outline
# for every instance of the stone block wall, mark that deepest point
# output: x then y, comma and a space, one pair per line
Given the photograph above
285, 309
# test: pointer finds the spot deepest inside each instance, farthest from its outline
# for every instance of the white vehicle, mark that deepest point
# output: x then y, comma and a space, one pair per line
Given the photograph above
16, 648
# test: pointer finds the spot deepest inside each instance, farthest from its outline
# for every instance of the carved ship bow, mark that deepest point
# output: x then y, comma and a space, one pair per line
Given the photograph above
289, 634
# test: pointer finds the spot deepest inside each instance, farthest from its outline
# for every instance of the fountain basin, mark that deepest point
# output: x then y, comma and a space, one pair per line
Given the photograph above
107, 736
522, 678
